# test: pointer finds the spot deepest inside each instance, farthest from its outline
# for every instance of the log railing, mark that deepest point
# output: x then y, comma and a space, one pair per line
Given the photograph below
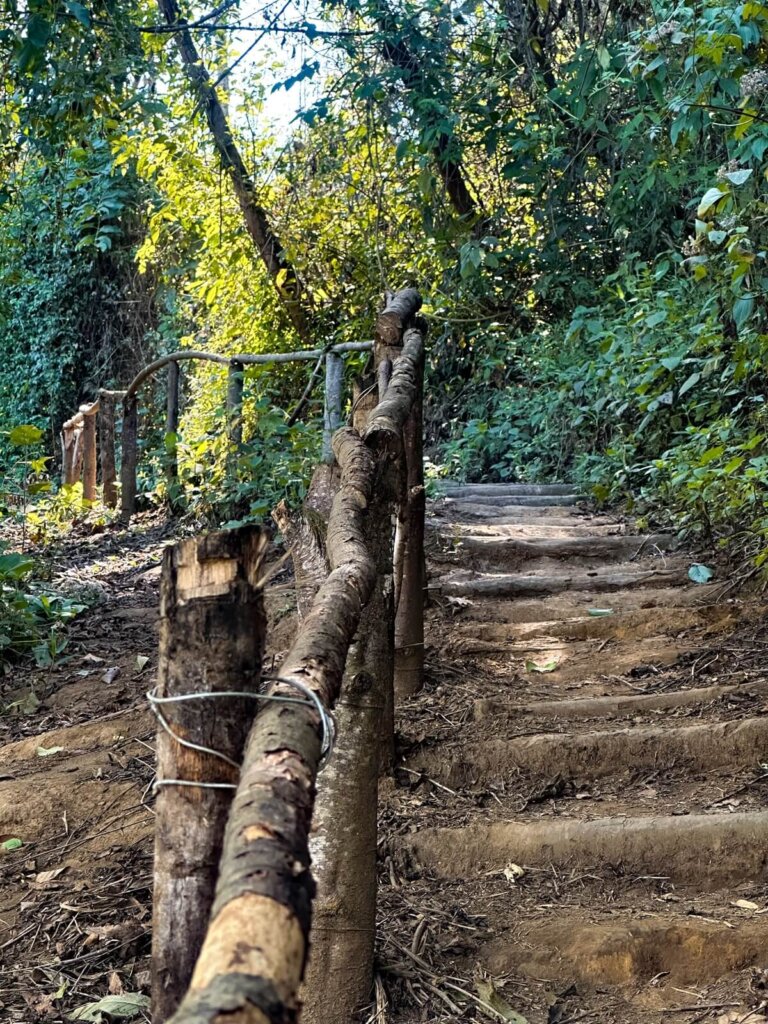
248, 965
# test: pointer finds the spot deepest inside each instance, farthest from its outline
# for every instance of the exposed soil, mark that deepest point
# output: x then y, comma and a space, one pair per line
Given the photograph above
576, 829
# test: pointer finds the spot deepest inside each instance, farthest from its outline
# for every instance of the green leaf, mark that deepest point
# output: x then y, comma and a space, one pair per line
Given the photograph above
742, 309
739, 177
489, 995
38, 31
11, 844
700, 573
712, 196
691, 382
549, 666
125, 1006
24, 435
671, 362
14, 566
79, 12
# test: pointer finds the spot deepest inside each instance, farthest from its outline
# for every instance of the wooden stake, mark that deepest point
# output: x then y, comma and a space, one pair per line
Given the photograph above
171, 430
212, 639
107, 445
235, 380
411, 573
129, 456
334, 383
89, 453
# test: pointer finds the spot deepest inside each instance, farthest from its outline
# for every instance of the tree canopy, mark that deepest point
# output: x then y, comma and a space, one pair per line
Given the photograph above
576, 188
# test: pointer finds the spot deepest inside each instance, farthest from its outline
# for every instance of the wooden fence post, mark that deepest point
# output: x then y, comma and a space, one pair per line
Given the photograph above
212, 630
107, 447
235, 380
410, 571
129, 456
399, 311
89, 452
171, 430
71, 450
334, 383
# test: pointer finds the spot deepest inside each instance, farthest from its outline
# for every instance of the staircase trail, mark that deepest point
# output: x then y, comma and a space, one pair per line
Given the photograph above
579, 813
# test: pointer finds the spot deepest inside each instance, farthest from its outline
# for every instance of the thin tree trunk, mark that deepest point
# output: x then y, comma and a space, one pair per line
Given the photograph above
212, 640
235, 383
268, 245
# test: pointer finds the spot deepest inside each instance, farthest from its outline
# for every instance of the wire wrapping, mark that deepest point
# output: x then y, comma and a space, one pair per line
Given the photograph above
312, 700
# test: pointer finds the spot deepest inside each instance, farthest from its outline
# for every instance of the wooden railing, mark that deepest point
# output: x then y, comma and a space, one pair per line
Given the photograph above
234, 894
79, 434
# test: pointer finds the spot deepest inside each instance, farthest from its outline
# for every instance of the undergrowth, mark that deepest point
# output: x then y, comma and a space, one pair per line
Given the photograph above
652, 398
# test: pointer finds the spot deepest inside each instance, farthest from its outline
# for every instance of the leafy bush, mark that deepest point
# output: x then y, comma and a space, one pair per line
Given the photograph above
31, 620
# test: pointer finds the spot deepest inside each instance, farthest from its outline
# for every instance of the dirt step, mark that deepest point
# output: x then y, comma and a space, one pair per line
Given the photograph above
710, 850
465, 490
511, 552
636, 624
616, 706
593, 755
523, 529
531, 584
456, 510
574, 661
526, 500
626, 951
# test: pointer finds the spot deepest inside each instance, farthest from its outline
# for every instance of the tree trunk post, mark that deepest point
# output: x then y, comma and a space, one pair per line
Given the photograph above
89, 453
235, 379
339, 972
212, 630
71, 450
410, 573
171, 431
129, 458
399, 311
107, 446
334, 383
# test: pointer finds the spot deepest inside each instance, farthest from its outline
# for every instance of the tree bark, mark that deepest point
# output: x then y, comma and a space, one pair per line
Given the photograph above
212, 640
268, 245
339, 973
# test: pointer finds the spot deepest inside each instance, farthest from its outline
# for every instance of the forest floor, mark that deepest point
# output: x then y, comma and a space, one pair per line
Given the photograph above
601, 858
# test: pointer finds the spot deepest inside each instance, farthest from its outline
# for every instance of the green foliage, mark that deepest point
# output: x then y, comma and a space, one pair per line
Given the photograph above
31, 620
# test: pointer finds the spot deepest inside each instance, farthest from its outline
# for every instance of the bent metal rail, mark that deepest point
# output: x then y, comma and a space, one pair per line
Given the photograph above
233, 905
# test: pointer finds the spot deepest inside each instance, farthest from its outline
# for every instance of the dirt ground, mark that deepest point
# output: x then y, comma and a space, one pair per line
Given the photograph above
553, 940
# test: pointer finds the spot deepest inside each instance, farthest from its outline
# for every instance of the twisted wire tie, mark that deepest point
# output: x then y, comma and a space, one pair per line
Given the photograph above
313, 701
